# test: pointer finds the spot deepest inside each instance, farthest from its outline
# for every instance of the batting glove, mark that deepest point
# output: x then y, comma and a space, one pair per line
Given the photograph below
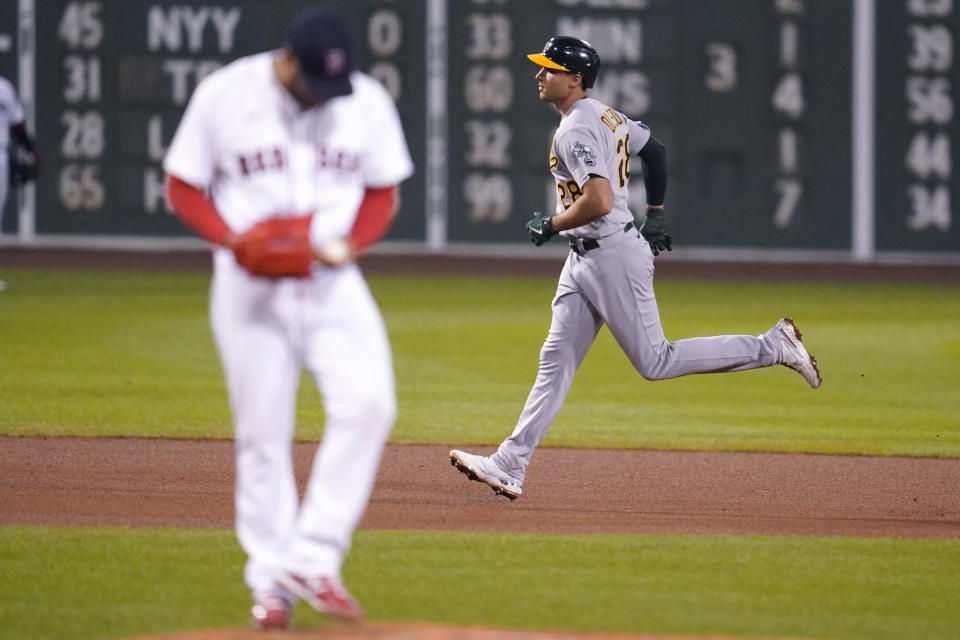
654, 231
540, 228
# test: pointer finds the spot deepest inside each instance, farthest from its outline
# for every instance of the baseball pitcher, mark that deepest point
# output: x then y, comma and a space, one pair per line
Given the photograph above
288, 162
608, 274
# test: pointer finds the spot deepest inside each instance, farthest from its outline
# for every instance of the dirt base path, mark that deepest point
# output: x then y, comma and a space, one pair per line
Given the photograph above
171, 483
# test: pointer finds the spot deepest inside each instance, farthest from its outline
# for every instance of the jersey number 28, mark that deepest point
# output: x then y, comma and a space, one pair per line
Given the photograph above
623, 168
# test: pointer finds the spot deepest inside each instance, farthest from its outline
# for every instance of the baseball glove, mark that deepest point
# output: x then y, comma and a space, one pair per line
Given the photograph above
276, 247
23, 169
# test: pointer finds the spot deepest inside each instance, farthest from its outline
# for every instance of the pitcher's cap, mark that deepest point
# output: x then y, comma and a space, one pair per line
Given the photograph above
320, 41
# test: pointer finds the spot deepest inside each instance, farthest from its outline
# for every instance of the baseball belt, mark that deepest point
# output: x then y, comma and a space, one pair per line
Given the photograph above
581, 245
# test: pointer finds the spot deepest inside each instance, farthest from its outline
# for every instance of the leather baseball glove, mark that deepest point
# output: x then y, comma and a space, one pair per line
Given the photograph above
24, 168
276, 247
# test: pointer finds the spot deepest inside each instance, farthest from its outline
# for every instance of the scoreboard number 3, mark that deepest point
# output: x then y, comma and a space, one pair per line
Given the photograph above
721, 75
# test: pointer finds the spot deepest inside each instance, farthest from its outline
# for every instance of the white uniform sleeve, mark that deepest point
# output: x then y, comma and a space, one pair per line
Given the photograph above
10, 103
388, 161
581, 153
192, 153
639, 135
11, 113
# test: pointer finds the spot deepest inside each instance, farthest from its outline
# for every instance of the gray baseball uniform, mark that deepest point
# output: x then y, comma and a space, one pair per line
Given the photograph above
11, 113
608, 279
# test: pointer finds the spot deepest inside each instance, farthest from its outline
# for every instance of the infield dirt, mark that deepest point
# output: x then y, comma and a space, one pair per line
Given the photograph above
144, 482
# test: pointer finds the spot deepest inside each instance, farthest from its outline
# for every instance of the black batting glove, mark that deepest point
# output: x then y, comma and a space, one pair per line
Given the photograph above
539, 228
654, 231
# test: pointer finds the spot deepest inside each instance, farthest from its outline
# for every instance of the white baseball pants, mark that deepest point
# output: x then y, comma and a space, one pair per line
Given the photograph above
613, 284
266, 331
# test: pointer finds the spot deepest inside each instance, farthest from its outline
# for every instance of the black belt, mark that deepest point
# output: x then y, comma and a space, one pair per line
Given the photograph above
581, 245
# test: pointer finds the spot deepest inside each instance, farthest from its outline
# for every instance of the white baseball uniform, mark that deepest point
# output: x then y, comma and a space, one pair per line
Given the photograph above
246, 140
610, 283
11, 113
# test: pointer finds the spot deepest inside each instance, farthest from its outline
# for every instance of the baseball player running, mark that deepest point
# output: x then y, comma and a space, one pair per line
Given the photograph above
608, 275
289, 162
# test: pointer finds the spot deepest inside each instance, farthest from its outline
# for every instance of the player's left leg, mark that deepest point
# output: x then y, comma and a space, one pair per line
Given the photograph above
629, 307
348, 352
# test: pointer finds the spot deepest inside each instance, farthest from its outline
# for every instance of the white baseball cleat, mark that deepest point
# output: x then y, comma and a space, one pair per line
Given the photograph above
795, 355
484, 469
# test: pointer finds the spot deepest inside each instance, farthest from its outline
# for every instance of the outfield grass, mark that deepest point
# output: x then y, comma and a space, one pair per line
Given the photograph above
95, 353
99, 353
76, 583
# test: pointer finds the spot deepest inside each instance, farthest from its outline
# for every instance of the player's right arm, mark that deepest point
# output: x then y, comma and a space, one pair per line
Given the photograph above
190, 165
197, 211
595, 201
590, 194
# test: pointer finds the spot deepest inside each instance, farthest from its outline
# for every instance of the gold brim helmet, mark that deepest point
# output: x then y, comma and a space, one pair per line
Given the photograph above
565, 53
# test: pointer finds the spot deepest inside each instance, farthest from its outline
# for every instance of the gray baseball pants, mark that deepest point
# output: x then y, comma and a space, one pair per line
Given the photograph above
613, 285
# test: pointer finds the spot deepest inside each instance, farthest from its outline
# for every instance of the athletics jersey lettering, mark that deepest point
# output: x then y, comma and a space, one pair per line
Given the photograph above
623, 166
612, 119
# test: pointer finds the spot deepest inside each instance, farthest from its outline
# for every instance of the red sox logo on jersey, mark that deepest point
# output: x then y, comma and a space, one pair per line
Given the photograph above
275, 159
337, 160
262, 160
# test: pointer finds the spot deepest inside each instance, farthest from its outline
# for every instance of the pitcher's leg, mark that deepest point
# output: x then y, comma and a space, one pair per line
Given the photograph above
573, 329
262, 374
349, 355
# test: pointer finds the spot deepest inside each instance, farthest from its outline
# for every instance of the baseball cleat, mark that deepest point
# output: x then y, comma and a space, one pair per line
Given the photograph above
484, 469
326, 594
795, 355
271, 612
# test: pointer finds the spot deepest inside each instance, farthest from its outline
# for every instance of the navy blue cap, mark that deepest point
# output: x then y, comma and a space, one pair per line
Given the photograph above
320, 41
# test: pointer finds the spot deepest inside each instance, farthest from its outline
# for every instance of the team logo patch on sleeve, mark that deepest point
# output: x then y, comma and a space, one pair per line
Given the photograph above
585, 153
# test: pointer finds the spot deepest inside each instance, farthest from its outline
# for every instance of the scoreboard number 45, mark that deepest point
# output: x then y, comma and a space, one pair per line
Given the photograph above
81, 29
